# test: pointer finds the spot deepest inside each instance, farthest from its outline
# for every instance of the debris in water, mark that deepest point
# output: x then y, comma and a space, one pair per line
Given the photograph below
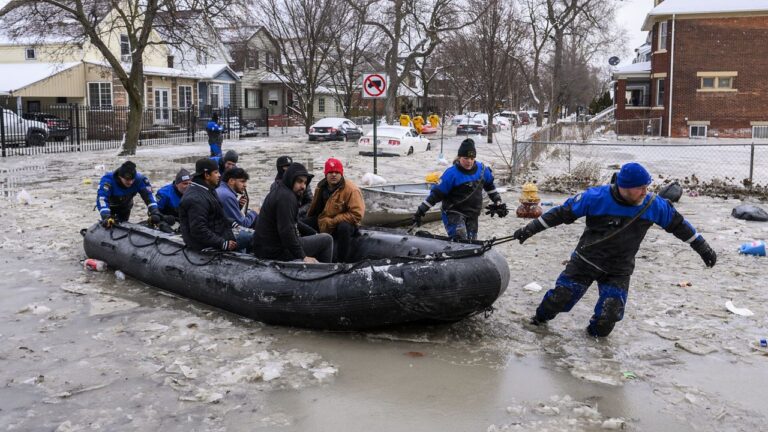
738, 311
24, 197
35, 309
119, 275
698, 349
414, 354
683, 284
613, 424
629, 375
533, 287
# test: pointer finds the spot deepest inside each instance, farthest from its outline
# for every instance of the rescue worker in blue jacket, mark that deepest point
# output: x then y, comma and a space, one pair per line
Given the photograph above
215, 135
617, 218
461, 191
169, 196
114, 199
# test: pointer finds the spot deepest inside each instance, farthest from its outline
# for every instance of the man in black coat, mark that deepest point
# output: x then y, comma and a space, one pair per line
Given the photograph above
202, 219
276, 235
283, 162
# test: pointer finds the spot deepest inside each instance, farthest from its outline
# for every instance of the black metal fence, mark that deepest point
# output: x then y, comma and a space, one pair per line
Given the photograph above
75, 128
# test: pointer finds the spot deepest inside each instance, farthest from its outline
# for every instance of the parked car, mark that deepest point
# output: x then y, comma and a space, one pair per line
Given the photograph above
393, 140
19, 131
511, 115
334, 128
500, 122
525, 119
58, 128
473, 125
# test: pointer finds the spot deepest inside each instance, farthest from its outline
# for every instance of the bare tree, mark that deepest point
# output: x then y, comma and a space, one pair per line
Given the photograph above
96, 22
410, 30
351, 52
304, 31
530, 58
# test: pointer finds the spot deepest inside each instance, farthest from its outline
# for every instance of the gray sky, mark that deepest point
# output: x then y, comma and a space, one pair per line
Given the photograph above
630, 16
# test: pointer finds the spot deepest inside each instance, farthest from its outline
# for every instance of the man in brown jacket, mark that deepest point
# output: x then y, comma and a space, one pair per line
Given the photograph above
337, 209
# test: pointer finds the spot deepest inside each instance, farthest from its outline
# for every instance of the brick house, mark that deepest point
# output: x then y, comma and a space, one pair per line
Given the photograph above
708, 70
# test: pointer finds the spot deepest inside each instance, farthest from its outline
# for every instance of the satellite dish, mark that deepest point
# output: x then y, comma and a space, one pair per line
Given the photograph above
613, 61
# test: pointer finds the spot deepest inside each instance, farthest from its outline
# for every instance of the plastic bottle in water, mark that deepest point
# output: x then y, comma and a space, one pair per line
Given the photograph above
95, 265
753, 248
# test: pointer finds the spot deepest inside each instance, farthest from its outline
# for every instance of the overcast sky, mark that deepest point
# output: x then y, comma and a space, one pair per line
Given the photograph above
630, 16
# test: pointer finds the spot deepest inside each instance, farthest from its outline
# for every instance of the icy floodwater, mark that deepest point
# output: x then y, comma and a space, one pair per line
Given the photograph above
90, 351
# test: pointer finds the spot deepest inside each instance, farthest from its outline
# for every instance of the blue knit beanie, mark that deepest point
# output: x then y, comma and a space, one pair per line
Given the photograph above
633, 175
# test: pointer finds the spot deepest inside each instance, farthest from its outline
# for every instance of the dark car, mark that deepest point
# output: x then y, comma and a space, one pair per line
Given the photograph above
472, 126
58, 128
334, 129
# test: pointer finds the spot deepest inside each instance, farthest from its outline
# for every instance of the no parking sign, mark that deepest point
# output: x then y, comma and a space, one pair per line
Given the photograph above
375, 86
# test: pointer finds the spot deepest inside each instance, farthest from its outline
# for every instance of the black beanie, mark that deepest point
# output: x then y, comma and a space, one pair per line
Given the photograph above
181, 176
127, 170
205, 165
467, 149
230, 156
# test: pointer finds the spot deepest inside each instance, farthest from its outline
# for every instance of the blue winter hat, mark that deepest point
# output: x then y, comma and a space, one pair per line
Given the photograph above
633, 175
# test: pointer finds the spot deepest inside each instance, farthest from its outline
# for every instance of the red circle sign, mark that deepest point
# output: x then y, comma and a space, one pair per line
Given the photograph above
374, 85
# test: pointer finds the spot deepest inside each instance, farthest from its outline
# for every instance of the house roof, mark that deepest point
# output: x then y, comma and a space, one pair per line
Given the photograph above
210, 71
16, 76
702, 7
634, 69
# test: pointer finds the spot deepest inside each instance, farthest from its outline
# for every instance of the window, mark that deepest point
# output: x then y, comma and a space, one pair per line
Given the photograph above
252, 60
100, 95
636, 96
30, 54
760, 132
125, 48
660, 92
185, 97
662, 36
337, 105
697, 131
215, 98
321, 104
716, 81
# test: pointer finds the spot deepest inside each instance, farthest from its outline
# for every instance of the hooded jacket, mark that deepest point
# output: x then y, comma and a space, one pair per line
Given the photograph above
306, 198
344, 204
202, 220
276, 235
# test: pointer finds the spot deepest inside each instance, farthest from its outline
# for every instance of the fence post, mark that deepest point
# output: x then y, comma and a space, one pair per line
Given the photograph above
2, 129
77, 125
751, 164
240, 123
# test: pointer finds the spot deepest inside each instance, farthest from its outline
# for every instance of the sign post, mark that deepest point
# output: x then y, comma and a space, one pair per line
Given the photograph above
375, 87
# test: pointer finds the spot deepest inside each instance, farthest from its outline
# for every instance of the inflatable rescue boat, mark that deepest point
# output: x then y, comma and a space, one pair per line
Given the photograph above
395, 279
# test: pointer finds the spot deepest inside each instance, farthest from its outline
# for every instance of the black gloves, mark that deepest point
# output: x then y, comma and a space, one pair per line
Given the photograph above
707, 254
526, 232
164, 227
108, 222
420, 212
155, 217
170, 219
497, 208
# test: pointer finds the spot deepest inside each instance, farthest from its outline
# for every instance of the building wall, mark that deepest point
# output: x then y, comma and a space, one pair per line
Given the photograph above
716, 45
68, 83
332, 107
43, 53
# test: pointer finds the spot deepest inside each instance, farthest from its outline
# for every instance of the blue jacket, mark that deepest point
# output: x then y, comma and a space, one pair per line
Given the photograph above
231, 206
111, 193
606, 213
168, 200
461, 190
214, 132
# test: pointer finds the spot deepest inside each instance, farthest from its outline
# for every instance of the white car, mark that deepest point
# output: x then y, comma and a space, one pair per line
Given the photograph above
19, 131
393, 140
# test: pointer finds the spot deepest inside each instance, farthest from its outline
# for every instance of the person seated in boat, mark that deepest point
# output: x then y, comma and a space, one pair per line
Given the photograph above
226, 162
337, 208
461, 191
114, 198
169, 197
618, 217
203, 222
276, 235
282, 165
233, 183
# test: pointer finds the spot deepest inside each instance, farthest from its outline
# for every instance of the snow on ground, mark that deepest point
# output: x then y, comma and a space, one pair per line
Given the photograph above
85, 350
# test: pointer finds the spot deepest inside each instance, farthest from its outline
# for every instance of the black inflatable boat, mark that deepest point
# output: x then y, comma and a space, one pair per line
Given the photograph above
396, 278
